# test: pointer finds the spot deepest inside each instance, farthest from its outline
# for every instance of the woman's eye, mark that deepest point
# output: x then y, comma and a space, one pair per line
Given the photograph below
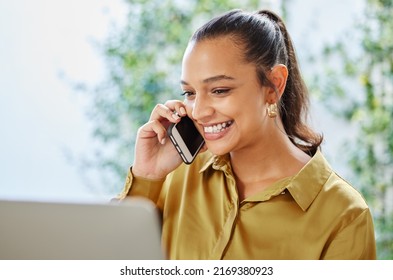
220, 91
187, 94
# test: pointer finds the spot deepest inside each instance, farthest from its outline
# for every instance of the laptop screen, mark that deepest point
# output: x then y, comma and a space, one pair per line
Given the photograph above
60, 230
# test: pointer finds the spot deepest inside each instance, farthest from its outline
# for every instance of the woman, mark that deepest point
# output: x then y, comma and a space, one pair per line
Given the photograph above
261, 189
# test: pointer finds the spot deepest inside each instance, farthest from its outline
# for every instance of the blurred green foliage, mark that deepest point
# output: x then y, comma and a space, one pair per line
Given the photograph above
360, 90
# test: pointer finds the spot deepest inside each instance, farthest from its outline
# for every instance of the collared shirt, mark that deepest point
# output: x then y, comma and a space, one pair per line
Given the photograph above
314, 214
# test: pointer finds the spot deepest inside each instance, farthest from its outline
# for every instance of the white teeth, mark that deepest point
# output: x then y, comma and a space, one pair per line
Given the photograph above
217, 128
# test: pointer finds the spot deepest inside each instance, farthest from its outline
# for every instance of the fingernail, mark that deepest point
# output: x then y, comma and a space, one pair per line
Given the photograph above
175, 116
183, 111
163, 140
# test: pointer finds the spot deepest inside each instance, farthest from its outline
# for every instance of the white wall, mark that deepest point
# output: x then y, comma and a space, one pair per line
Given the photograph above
44, 45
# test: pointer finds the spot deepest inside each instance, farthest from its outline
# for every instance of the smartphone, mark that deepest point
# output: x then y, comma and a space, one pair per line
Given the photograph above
186, 139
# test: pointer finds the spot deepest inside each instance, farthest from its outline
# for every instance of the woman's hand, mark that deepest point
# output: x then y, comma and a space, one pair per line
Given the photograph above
155, 156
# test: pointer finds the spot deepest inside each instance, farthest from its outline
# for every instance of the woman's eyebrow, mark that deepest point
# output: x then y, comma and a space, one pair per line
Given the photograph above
212, 79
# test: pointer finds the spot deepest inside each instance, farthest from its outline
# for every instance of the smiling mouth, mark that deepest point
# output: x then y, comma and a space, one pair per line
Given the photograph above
217, 127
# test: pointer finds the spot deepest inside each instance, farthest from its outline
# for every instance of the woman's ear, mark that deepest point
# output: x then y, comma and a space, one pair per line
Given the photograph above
278, 76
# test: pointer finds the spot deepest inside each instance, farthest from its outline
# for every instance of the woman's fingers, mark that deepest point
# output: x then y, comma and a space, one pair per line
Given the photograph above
172, 110
151, 129
179, 108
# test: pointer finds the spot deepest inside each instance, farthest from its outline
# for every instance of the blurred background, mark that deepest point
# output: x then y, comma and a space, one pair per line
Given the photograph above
77, 78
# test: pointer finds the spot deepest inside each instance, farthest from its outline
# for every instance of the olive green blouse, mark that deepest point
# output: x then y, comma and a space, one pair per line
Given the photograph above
313, 215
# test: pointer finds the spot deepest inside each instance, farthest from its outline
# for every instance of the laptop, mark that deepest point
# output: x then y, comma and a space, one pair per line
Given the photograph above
37, 230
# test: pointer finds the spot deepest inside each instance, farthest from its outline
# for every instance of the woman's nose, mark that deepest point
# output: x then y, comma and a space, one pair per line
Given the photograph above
201, 108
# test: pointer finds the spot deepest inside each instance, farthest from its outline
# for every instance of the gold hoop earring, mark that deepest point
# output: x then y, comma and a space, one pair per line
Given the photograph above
272, 110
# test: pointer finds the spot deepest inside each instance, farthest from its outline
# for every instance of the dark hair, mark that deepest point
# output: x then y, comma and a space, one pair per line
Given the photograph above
266, 42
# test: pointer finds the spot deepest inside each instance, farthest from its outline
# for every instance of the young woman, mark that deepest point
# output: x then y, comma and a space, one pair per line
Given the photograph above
261, 189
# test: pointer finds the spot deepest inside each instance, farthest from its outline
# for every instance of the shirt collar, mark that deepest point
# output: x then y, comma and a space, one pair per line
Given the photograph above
303, 186
216, 162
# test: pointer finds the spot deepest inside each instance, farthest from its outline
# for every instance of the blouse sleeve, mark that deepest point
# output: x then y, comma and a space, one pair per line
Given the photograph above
138, 186
354, 242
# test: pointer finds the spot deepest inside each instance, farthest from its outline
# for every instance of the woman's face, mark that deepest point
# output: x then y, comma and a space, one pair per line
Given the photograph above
223, 95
